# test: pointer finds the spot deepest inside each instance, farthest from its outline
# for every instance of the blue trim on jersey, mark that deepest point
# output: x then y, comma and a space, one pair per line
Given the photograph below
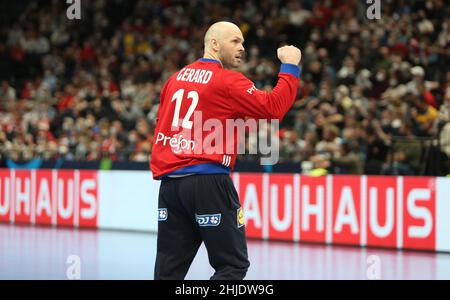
290, 69
209, 60
208, 168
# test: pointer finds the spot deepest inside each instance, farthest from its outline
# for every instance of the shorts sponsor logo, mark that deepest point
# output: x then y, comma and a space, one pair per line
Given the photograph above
162, 214
208, 220
240, 217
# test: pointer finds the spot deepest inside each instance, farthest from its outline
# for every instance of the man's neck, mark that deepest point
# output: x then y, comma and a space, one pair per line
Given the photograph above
212, 56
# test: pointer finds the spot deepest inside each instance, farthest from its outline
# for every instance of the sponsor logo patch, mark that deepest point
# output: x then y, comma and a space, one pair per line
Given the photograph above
208, 220
240, 217
162, 214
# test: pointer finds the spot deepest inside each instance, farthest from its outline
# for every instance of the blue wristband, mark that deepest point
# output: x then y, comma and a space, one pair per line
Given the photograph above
290, 69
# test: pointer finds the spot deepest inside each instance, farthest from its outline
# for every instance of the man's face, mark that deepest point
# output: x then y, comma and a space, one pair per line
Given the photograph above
231, 49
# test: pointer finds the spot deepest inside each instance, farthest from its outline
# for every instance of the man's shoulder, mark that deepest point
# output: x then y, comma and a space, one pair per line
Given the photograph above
232, 72
232, 75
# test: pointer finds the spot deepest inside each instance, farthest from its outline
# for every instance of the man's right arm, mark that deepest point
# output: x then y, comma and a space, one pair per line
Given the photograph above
247, 101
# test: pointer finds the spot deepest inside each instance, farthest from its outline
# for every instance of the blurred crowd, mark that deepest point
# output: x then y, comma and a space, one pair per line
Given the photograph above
374, 95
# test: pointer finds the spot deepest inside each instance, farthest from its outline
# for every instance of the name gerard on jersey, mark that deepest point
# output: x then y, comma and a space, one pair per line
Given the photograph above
194, 75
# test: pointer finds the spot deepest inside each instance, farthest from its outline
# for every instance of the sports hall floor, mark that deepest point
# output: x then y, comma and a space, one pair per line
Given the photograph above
42, 253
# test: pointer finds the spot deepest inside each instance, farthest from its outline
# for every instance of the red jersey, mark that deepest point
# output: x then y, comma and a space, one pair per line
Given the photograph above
195, 104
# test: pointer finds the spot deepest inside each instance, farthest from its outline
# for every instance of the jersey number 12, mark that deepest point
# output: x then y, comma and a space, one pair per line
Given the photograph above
178, 97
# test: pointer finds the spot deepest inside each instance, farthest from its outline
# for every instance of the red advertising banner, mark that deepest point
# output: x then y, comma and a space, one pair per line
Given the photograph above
381, 196
381, 211
5, 195
88, 198
49, 197
346, 216
313, 209
251, 197
281, 207
45, 195
419, 211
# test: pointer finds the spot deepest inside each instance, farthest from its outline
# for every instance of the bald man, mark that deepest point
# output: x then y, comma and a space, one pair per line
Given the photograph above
197, 199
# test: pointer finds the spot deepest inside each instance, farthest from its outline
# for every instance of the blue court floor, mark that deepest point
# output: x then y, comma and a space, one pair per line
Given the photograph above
48, 253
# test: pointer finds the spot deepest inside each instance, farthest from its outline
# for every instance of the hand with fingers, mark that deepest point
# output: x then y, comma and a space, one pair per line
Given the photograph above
289, 55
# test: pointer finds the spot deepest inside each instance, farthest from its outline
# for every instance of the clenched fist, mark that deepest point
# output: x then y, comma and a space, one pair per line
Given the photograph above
289, 55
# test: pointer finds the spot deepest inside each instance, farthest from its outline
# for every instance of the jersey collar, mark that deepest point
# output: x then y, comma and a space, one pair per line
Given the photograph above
209, 60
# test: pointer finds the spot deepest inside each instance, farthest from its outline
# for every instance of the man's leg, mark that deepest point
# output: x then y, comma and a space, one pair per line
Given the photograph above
178, 237
225, 241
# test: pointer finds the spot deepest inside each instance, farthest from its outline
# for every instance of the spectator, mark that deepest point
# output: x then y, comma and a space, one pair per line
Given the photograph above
348, 161
444, 124
424, 117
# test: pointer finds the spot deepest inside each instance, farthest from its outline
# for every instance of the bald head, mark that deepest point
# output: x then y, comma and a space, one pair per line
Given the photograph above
220, 30
223, 42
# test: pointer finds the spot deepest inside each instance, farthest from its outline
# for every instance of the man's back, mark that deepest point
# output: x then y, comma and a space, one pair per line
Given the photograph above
195, 104
189, 98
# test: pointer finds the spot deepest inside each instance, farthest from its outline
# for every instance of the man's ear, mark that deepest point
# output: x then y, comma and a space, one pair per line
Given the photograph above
215, 45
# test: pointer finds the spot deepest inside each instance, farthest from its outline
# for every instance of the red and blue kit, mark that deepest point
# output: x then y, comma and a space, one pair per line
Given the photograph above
197, 100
